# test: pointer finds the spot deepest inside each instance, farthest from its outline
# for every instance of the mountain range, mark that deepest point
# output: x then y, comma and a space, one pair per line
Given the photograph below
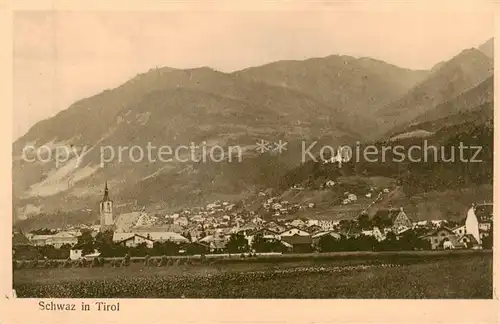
336, 100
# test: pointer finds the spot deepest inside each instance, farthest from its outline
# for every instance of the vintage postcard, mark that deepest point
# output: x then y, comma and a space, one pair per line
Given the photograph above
274, 151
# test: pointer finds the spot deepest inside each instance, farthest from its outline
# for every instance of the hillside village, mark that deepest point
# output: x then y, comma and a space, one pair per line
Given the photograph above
223, 227
307, 206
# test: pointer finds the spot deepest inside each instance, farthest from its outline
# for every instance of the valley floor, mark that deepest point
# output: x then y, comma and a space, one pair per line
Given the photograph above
418, 275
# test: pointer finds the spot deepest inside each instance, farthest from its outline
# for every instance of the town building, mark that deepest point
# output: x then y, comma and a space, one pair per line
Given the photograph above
194, 248
298, 243
479, 221
57, 240
317, 237
273, 226
151, 235
459, 230
298, 223
267, 234
396, 219
437, 239
469, 241
75, 254
182, 221
135, 240
294, 231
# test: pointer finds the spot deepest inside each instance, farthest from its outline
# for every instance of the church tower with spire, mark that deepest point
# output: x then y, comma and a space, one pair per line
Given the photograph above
106, 210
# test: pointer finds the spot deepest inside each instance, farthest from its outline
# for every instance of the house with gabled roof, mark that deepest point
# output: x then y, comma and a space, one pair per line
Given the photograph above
317, 237
452, 243
265, 232
218, 246
469, 241
57, 240
298, 243
273, 226
137, 239
182, 221
152, 235
394, 218
294, 231
298, 223
438, 237
459, 230
196, 248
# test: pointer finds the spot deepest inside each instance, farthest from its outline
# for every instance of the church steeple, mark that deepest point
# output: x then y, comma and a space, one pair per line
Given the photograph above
106, 210
106, 193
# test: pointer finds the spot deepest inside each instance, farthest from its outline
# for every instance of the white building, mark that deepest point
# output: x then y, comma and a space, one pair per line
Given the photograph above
56, 240
181, 221
330, 183
75, 254
297, 223
479, 221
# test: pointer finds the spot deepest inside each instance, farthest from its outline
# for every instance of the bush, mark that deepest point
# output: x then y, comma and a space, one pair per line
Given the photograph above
163, 261
67, 263
95, 263
101, 261
33, 263
126, 260
83, 263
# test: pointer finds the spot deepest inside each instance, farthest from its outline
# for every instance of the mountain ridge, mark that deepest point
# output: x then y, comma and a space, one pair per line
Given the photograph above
336, 100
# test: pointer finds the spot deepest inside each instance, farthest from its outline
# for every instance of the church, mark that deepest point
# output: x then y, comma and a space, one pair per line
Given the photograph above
106, 211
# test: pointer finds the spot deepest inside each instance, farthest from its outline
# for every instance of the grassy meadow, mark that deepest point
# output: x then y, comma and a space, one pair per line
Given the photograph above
336, 275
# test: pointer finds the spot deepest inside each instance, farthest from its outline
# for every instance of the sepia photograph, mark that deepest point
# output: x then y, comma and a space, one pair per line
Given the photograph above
333, 153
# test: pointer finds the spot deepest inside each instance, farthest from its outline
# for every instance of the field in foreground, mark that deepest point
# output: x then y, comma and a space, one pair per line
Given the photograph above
440, 276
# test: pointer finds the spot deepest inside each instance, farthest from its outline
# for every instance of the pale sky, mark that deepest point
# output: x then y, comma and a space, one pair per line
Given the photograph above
61, 57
